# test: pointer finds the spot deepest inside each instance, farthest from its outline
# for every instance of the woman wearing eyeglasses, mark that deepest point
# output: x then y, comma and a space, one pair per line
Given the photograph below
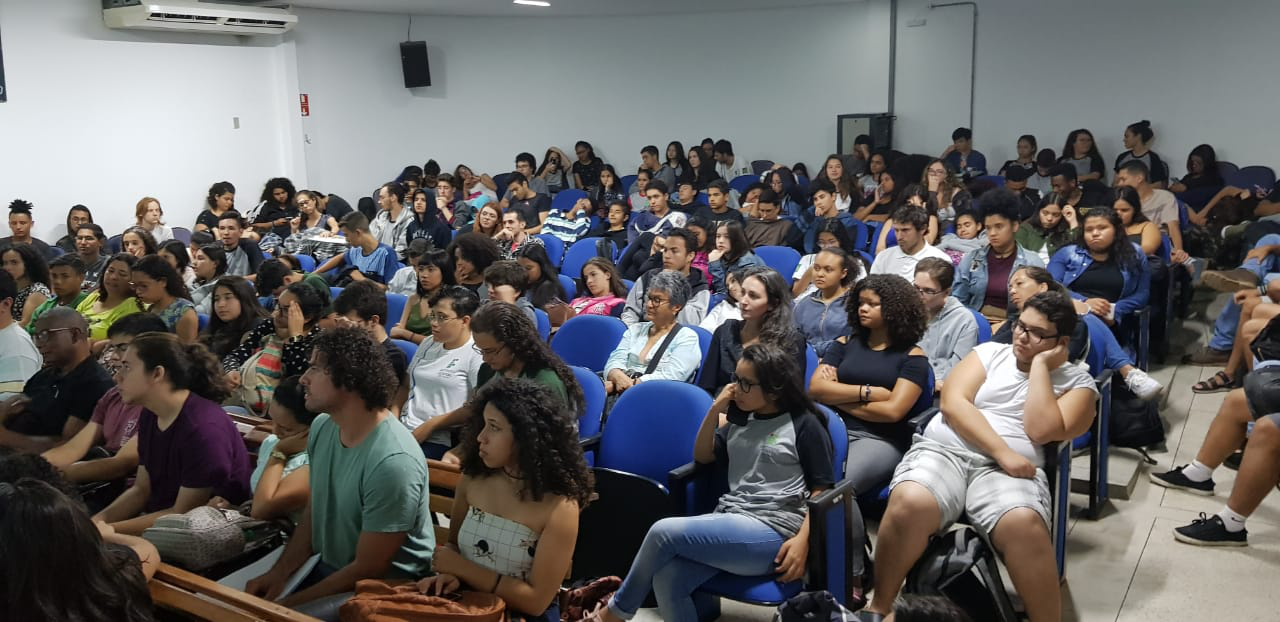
877, 378
442, 375
509, 347
658, 348
778, 454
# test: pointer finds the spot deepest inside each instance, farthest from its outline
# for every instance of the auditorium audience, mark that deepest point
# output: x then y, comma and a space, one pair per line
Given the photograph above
30, 271
877, 378
968, 237
777, 453
677, 255
615, 225
472, 254
426, 222
658, 218
209, 263
488, 220
1106, 273
158, 286
220, 199
66, 277
20, 224
113, 299
236, 311
150, 218
728, 165
90, 244
588, 169
515, 514
1202, 172
820, 316
138, 242
364, 306
383, 532
829, 233
1048, 229
732, 253
982, 278
1159, 206
1137, 142
280, 480
1081, 152
189, 450
431, 273
984, 456
727, 308
442, 374
767, 317
1026, 149
275, 209
600, 290
544, 280
834, 172
507, 281
368, 258
276, 348
766, 227
961, 157
948, 193
951, 330
243, 254
909, 225
717, 208
1137, 227
659, 348
176, 254
513, 237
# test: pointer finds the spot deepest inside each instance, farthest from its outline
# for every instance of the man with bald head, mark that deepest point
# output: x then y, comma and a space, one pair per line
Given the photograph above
57, 401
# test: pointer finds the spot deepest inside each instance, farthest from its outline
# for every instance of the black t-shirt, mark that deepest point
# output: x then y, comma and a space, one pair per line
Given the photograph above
690, 209
531, 209
1094, 195
1102, 279
589, 173
726, 349
857, 364
55, 397
399, 362
271, 212
729, 213
208, 219
337, 207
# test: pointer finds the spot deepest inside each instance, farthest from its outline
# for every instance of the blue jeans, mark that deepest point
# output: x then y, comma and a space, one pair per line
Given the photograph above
1114, 355
1224, 328
680, 554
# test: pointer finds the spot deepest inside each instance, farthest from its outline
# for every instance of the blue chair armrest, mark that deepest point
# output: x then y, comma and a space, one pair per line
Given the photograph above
1099, 446
921, 420
1058, 469
694, 488
591, 442
835, 547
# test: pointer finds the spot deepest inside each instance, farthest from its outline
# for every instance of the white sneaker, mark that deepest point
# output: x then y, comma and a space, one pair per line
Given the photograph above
1142, 385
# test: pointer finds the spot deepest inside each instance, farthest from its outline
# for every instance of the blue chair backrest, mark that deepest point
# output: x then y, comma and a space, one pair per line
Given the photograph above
1250, 176
1226, 168
626, 182
628, 284
544, 324
802, 183
781, 258
652, 427
702, 198
867, 256
741, 182
873, 233
306, 262
984, 327
182, 234
593, 396
570, 288
588, 340
1166, 248
113, 243
998, 180
566, 198
839, 441
810, 365
57, 251
857, 233
554, 246
203, 321
758, 167
395, 308
716, 299
891, 238
409, 348
580, 253
500, 180
333, 293
704, 343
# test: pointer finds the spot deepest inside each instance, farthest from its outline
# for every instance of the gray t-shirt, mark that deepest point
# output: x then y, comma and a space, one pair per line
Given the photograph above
238, 262
773, 462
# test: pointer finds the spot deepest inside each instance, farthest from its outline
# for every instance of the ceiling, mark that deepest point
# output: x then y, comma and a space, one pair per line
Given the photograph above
558, 8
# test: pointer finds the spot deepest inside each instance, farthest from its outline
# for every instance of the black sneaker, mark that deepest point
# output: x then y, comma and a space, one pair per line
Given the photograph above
1176, 480
1210, 531
1233, 461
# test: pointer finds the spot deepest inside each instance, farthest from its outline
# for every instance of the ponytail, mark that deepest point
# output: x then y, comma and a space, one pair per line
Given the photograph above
187, 366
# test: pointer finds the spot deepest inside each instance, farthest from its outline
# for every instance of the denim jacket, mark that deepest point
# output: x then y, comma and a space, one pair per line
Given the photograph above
821, 324
971, 276
1071, 261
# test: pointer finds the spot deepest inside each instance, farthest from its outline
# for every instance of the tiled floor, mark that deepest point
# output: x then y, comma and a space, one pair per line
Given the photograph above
1127, 566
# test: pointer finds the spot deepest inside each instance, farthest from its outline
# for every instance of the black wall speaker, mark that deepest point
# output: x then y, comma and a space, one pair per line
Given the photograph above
413, 59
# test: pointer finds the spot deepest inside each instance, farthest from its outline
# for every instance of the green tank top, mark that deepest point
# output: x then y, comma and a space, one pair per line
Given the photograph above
416, 323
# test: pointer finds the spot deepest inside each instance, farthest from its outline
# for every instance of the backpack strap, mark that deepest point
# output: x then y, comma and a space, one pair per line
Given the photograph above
662, 348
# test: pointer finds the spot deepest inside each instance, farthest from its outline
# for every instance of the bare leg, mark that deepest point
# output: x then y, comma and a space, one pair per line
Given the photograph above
1238, 363
910, 518
1024, 543
1227, 430
1260, 469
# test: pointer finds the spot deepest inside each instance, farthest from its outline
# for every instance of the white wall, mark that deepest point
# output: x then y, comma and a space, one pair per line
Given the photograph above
770, 81
104, 117
1199, 71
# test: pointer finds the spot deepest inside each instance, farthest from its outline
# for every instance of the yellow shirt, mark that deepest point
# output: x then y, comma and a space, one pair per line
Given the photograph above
101, 321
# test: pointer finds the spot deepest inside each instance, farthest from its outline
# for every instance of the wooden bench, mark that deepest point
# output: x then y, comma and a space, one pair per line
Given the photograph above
444, 478
177, 590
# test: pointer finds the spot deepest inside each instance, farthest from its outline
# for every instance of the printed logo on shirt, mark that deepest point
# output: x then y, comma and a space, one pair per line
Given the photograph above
772, 439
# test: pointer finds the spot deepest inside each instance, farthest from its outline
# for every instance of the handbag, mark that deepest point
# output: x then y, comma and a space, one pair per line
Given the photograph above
201, 538
379, 601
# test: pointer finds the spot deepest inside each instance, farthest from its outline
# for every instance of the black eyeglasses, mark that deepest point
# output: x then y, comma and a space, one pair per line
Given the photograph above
1019, 327
744, 385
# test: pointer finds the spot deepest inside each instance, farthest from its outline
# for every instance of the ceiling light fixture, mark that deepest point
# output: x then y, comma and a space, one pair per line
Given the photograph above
532, 2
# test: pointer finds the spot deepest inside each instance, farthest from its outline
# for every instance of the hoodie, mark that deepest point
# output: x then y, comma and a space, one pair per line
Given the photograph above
949, 337
692, 313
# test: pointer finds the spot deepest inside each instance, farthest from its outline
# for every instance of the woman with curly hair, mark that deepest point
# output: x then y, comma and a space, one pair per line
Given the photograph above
275, 208
30, 272
188, 449
778, 455
877, 378
510, 347
766, 318
515, 512
471, 254
138, 242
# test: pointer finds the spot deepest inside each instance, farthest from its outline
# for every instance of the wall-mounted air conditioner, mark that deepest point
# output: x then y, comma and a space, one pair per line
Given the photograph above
190, 16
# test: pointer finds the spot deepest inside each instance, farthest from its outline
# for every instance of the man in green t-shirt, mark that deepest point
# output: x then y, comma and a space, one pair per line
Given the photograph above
368, 517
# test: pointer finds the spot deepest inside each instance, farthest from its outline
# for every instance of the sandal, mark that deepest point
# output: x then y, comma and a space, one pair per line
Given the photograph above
1215, 384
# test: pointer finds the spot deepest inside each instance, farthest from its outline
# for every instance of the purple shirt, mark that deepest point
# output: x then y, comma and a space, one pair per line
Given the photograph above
201, 449
119, 420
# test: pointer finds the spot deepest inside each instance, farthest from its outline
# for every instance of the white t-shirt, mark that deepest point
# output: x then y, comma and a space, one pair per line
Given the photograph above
893, 260
440, 381
19, 359
405, 283
1002, 398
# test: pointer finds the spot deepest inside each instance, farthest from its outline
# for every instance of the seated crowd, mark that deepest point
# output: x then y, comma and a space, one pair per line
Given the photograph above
413, 327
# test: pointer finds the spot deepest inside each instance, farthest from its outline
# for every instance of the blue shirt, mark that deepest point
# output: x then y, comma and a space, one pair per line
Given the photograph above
975, 164
380, 265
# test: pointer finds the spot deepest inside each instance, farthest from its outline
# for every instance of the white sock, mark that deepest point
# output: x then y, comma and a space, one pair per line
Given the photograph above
1234, 522
1197, 472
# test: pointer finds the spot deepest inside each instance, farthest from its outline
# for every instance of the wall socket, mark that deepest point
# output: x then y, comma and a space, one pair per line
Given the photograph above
235, 123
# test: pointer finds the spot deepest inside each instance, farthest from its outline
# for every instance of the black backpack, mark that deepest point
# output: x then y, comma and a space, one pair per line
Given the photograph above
1135, 422
960, 565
